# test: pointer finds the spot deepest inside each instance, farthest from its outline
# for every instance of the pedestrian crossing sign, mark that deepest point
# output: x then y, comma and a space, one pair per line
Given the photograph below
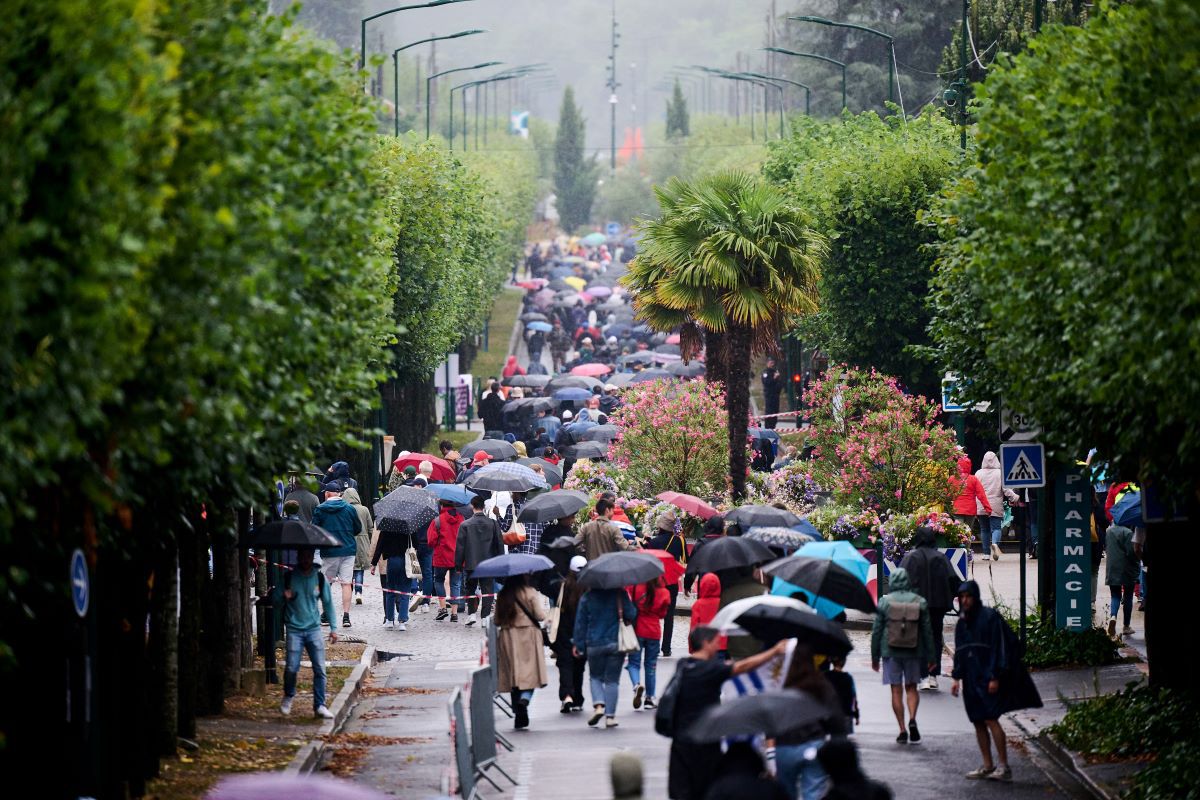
1023, 465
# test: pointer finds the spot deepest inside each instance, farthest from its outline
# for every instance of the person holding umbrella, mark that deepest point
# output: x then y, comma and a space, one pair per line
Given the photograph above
394, 539
602, 610
796, 762
521, 664
303, 586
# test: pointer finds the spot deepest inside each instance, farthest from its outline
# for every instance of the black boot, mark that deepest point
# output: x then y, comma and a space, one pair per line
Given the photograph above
520, 711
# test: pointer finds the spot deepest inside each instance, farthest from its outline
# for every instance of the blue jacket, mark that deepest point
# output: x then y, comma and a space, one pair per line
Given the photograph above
596, 619
339, 518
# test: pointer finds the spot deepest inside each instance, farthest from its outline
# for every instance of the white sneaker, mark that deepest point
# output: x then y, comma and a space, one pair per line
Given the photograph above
1127, 631
931, 683
425, 608
285, 707
400, 626
995, 552
324, 713
471, 620
388, 625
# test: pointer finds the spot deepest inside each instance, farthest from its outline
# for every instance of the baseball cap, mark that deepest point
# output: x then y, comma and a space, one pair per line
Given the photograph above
335, 486
481, 458
567, 414
578, 563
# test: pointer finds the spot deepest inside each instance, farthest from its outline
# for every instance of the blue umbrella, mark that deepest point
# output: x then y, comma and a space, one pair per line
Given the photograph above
561, 272
453, 492
544, 327
843, 554
572, 394
1128, 511
806, 527
510, 564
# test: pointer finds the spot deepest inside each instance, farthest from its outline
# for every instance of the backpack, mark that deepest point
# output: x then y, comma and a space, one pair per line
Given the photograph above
664, 716
903, 625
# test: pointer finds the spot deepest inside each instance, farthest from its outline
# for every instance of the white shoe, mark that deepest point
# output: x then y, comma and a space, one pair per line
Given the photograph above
388, 625
285, 707
1112, 626
996, 553
324, 713
471, 620
425, 608
400, 626
1127, 631
931, 683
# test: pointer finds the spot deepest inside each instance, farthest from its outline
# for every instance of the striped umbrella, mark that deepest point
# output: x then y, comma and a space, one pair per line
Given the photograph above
506, 477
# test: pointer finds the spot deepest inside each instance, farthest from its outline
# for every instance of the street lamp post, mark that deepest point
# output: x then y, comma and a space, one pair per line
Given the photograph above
757, 80
362, 42
429, 81
396, 66
890, 40
805, 87
834, 61
463, 96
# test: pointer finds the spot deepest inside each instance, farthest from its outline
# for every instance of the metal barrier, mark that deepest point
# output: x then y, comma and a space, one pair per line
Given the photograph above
462, 747
493, 649
483, 726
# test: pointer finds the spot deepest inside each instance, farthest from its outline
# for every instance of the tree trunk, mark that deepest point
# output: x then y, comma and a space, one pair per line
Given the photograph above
191, 591
1168, 600
409, 411
163, 647
716, 357
737, 402
245, 604
211, 695
227, 586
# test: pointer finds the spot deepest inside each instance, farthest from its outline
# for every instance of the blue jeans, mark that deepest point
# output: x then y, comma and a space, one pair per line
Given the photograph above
358, 580
989, 531
312, 641
800, 775
1121, 597
395, 606
648, 653
425, 556
439, 585
604, 674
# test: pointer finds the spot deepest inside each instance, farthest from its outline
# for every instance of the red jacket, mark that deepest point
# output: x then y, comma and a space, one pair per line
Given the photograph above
708, 601
443, 537
651, 608
972, 490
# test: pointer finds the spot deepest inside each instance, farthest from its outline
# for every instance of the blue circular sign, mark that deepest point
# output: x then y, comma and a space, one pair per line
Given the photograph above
80, 586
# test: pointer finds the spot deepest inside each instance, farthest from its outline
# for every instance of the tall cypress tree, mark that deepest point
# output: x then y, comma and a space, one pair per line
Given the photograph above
678, 123
574, 175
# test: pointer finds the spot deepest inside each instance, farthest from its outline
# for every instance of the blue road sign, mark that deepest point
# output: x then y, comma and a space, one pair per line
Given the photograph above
612, 229
80, 587
949, 387
1023, 465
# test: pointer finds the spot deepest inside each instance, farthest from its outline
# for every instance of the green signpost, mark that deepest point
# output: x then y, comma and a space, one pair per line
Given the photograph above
1072, 542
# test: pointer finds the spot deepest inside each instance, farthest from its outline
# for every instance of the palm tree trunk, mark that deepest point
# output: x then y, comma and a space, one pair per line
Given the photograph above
737, 401
716, 356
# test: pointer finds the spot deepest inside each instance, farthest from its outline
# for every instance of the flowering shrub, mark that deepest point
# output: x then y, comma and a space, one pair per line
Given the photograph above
795, 487
649, 526
635, 509
898, 530
591, 478
671, 437
877, 446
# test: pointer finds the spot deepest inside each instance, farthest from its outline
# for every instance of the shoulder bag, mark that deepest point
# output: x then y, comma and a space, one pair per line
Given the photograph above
556, 613
412, 564
537, 623
627, 641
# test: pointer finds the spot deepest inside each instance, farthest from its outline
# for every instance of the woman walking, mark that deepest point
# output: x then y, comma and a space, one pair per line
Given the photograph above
570, 667
796, 753
394, 539
651, 599
521, 664
597, 623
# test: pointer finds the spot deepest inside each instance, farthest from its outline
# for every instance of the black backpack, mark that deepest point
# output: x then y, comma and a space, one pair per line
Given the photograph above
664, 717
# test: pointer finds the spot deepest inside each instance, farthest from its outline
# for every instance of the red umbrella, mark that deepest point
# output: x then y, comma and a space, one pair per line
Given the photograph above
442, 471
533, 283
592, 370
673, 569
689, 503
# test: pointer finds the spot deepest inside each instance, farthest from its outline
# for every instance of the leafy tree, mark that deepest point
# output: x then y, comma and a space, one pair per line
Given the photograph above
867, 182
574, 174
677, 114
728, 254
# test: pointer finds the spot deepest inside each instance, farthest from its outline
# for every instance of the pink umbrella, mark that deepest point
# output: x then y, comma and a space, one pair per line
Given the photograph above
586, 296
673, 339
543, 298
689, 503
599, 291
591, 370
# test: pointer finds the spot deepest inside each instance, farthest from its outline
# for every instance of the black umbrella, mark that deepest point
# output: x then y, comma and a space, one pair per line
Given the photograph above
620, 569
408, 504
601, 433
496, 448
643, 357
505, 477
527, 381
571, 382
825, 580
553, 505
510, 564
647, 375
771, 623
728, 552
771, 713
553, 472
669, 349
620, 379
759, 516
533, 316
293, 534
691, 370
590, 449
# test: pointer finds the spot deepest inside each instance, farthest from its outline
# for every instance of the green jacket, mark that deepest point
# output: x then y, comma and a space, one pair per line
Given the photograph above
901, 592
1122, 569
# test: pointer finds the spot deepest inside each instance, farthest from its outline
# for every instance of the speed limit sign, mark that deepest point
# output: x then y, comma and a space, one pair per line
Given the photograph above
1017, 427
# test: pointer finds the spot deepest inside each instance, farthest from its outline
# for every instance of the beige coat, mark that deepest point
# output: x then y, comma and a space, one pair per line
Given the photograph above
382, 561
599, 537
521, 662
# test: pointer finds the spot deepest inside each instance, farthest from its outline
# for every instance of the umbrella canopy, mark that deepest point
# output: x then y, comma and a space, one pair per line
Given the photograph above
591, 370
568, 297
612, 304
669, 349
773, 623
643, 357
532, 283
666, 358
689, 503
496, 448
620, 379
756, 516
543, 298
280, 786
673, 338
451, 492
620, 569
560, 284
764, 433
540, 327
442, 470
536, 404
824, 579
594, 239
293, 534
553, 505
728, 552
590, 450
572, 393
771, 713
571, 382
724, 620
1128, 511
784, 538
601, 433
553, 472
672, 569
527, 381
561, 272
533, 316
575, 282
693, 370
598, 291
842, 553
647, 375
807, 528
510, 564
618, 329
505, 477
408, 504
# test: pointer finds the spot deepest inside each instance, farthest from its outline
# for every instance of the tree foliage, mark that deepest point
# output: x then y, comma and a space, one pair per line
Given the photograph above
1067, 277
574, 173
867, 181
678, 124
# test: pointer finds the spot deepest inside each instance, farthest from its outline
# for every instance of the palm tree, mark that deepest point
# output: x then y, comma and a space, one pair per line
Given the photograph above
731, 259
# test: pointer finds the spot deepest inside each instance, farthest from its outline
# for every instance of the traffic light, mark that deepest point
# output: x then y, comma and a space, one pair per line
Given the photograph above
797, 378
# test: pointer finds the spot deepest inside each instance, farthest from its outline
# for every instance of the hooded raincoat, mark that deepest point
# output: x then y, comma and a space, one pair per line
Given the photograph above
991, 478
972, 495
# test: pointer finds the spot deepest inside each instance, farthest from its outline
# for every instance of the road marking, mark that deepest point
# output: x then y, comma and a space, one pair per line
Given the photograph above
524, 776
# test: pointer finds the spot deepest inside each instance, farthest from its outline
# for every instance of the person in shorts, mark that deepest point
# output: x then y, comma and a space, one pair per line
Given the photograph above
902, 641
339, 518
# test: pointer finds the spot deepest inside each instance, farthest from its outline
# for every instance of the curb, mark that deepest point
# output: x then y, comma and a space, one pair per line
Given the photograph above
1064, 759
309, 756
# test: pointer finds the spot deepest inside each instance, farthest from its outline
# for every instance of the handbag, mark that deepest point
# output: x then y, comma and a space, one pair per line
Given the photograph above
627, 641
537, 623
515, 535
412, 564
556, 614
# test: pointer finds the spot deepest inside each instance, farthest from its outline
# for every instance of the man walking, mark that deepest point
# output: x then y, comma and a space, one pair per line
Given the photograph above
339, 518
930, 575
478, 540
902, 638
772, 385
303, 586
600, 536
560, 343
